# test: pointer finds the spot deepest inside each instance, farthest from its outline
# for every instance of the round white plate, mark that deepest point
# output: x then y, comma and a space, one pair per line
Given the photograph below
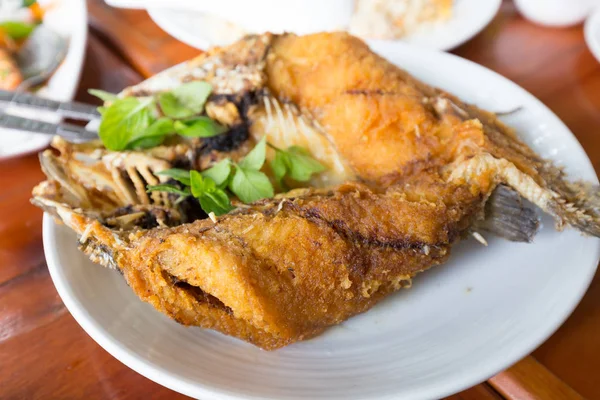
592, 33
68, 18
202, 31
458, 325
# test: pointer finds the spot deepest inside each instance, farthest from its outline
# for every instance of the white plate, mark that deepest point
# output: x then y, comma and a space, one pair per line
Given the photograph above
592, 33
458, 325
68, 18
201, 31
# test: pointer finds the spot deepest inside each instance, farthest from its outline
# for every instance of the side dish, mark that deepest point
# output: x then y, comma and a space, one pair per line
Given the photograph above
18, 19
393, 19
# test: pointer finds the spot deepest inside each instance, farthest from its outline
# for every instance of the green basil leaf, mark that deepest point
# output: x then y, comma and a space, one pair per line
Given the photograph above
199, 127
17, 30
103, 95
219, 172
193, 95
28, 3
256, 157
211, 198
279, 166
185, 100
180, 175
122, 121
171, 107
215, 201
154, 134
168, 188
199, 184
301, 165
250, 185
146, 142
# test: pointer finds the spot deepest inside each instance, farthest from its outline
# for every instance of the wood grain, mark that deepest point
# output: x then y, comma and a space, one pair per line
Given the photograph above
479, 392
137, 39
530, 380
45, 354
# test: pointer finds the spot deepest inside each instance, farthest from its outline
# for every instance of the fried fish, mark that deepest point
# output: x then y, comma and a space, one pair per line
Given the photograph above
410, 170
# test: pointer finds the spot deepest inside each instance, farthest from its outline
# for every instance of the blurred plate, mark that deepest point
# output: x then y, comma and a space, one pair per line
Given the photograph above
202, 31
592, 33
459, 324
69, 19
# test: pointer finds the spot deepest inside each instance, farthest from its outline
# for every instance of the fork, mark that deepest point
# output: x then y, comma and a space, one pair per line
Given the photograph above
26, 101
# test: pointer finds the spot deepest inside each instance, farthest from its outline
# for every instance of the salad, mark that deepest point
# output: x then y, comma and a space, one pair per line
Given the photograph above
18, 19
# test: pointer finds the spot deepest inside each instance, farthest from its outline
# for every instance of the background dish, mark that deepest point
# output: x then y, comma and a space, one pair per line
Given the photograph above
460, 323
201, 31
68, 18
592, 33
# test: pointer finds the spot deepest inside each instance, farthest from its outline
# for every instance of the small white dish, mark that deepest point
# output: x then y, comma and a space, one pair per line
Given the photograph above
592, 33
202, 30
458, 325
559, 13
69, 19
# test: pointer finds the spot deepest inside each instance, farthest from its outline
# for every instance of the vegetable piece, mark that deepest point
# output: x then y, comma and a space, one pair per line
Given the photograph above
123, 120
165, 187
199, 127
103, 95
186, 100
219, 172
250, 185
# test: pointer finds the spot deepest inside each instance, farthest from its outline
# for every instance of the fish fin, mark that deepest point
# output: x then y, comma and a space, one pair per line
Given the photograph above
508, 216
575, 204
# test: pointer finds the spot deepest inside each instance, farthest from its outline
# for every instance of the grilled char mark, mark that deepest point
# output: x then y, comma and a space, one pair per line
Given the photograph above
230, 141
237, 134
370, 92
426, 253
342, 229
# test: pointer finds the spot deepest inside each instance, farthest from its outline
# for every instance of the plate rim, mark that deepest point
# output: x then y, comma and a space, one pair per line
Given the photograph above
78, 36
179, 384
493, 6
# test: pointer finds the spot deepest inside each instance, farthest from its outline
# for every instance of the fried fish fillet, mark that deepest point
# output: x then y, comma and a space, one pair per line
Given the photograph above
410, 170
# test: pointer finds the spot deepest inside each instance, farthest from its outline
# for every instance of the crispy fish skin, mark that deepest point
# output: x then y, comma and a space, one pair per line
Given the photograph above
382, 120
386, 124
285, 269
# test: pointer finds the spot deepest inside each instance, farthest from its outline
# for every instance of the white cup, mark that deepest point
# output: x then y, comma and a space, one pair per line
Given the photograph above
556, 12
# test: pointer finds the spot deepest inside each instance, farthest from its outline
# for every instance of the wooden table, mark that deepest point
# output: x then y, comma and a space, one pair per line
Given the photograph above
45, 354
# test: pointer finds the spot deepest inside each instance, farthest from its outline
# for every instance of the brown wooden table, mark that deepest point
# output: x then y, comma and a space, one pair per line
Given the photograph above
44, 353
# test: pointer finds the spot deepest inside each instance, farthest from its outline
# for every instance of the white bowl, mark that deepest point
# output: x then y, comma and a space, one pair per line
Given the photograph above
556, 12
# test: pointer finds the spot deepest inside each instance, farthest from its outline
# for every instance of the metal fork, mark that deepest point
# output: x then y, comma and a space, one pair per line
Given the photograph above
73, 110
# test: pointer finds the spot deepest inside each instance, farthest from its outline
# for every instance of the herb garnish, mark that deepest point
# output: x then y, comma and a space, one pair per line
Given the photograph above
186, 100
103, 95
132, 123
124, 120
244, 179
17, 30
295, 162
